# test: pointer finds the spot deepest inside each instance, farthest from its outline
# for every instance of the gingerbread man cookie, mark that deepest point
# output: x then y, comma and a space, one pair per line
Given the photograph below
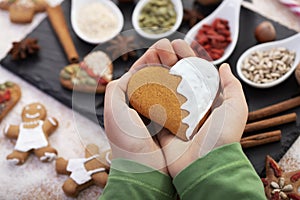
10, 94
84, 172
32, 135
23, 11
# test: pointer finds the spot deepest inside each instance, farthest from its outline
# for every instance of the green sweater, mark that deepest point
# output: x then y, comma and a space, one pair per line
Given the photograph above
225, 173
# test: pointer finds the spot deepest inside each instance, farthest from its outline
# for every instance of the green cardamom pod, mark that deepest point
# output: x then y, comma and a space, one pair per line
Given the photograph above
2, 87
69, 70
9, 84
65, 75
90, 81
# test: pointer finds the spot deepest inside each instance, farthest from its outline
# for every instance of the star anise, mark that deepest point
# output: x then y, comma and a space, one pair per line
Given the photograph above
192, 16
122, 46
22, 49
280, 185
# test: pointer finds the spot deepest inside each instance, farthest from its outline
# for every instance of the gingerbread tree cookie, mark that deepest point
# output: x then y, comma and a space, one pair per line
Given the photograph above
10, 94
280, 185
84, 172
32, 135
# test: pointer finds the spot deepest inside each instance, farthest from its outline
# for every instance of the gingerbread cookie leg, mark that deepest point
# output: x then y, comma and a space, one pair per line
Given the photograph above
46, 154
61, 166
72, 189
17, 157
5, 4
100, 179
21, 12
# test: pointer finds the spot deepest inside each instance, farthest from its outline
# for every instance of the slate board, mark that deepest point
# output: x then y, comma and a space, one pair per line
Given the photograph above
43, 70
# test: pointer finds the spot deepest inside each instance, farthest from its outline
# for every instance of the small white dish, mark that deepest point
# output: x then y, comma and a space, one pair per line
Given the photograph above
79, 4
291, 43
229, 10
135, 20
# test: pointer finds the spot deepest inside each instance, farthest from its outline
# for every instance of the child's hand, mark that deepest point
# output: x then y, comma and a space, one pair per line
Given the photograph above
127, 134
225, 125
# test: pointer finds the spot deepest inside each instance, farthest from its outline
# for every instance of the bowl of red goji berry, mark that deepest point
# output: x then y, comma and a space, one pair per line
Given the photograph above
214, 38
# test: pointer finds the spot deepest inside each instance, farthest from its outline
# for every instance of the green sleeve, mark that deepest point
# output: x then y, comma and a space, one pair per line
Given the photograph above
131, 180
225, 173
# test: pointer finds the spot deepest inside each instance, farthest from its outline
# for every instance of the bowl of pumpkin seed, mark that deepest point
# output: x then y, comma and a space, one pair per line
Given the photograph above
155, 19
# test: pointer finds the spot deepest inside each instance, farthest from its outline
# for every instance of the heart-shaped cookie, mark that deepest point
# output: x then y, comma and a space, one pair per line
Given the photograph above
10, 94
178, 98
91, 75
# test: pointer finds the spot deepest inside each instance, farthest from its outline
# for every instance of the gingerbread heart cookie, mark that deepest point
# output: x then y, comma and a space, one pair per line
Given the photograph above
90, 75
178, 98
10, 94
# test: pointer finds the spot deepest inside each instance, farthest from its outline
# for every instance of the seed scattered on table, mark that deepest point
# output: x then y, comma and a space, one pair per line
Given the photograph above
267, 66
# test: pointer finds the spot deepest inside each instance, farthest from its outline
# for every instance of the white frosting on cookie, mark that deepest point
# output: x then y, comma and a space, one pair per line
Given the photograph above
6, 129
98, 62
33, 116
25, 3
31, 138
78, 171
107, 158
52, 121
199, 84
14, 161
48, 157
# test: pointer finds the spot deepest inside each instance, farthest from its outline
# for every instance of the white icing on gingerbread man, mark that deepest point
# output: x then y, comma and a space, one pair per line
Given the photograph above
78, 171
32, 134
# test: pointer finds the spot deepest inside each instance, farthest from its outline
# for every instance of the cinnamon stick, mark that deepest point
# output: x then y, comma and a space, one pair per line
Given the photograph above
274, 109
271, 122
58, 22
260, 139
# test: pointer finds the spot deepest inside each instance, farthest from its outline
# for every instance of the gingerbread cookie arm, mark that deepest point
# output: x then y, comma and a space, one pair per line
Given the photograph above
91, 149
50, 125
100, 178
71, 188
61, 166
11, 131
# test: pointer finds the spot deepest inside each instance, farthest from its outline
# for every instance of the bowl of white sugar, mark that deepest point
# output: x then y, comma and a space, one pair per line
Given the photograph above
96, 21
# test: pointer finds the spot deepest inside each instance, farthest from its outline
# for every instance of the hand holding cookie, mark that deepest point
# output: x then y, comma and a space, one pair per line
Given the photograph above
225, 125
128, 136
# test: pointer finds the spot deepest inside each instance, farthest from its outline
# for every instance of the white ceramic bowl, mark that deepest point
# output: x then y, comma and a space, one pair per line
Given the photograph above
77, 4
135, 20
229, 10
291, 43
